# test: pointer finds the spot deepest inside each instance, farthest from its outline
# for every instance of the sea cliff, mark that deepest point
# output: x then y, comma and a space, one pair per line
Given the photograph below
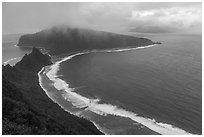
25, 107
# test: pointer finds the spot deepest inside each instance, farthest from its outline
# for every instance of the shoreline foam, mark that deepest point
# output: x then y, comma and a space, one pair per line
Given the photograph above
7, 62
46, 92
94, 106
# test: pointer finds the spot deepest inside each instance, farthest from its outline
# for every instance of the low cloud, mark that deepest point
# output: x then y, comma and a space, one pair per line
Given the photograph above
169, 20
114, 17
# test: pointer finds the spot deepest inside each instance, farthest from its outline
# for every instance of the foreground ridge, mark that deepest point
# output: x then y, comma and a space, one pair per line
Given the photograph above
25, 107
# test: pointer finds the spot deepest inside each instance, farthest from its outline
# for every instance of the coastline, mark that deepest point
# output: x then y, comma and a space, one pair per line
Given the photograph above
46, 92
48, 116
12, 59
87, 103
18, 58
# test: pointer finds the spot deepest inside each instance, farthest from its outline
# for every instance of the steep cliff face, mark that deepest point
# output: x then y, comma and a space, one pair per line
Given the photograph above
26, 109
19, 117
65, 39
33, 61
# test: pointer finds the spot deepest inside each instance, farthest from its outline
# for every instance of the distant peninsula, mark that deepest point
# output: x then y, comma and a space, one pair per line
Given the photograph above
63, 39
26, 107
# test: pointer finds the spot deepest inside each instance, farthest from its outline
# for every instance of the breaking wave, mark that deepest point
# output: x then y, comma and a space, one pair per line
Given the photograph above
103, 109
12, 59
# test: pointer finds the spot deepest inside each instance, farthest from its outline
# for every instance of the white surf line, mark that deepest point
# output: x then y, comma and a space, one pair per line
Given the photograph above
6, 62
93, 105
128, 49
46, 92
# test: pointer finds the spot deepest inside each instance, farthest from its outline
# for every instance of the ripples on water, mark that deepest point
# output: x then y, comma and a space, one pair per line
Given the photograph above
162, 82
11, 54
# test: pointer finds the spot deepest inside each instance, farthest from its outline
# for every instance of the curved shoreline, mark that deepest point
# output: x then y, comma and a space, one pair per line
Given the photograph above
103, 109
46, 92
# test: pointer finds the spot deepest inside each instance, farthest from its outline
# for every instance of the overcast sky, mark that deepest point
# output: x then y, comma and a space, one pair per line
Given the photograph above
114, 17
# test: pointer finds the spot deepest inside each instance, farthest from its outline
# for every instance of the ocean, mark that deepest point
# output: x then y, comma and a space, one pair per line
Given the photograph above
154, 90
11, 53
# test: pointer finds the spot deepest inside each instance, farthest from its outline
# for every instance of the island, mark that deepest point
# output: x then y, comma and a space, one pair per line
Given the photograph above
63, 39
26, 109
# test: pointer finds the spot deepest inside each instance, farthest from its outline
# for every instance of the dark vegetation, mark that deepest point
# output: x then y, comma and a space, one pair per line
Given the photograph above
64, 39
25, 107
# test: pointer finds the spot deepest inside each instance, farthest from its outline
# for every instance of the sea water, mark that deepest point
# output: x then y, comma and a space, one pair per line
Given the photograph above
158, 87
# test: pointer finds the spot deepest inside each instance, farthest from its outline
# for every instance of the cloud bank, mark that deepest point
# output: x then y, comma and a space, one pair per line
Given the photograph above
114, 17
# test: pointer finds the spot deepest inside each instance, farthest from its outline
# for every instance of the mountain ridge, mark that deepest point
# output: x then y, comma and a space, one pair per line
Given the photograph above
26, 109
34, 61
59, 40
